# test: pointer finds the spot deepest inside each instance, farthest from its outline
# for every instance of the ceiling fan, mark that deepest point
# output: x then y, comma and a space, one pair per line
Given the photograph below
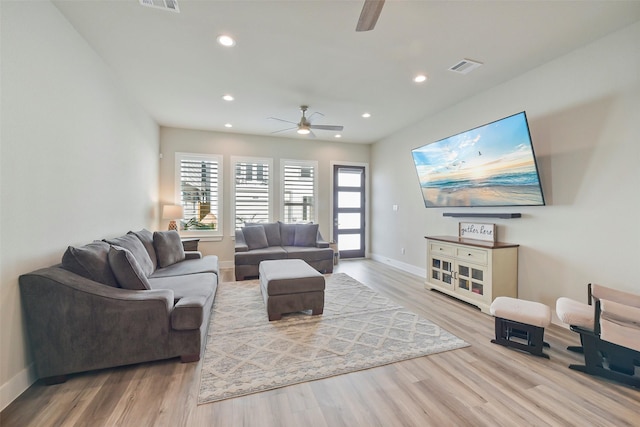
369, 15
304, 126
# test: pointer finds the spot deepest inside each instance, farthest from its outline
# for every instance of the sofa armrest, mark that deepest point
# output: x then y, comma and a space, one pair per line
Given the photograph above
188, 313
241, 244
320, 242
192, 255
75, 324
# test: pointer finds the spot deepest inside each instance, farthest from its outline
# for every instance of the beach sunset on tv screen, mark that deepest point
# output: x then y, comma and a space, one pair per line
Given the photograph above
491, 165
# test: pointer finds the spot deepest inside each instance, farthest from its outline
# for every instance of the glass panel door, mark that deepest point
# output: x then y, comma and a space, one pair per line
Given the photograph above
348, 210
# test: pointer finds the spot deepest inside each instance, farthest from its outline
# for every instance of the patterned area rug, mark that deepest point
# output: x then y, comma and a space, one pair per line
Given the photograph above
359, 329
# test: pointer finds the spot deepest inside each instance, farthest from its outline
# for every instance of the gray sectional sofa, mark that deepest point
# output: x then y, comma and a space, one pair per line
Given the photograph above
136, 298
257, 242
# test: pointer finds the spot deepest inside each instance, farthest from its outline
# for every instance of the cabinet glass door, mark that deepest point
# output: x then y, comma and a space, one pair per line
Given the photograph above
470, 279
441, 271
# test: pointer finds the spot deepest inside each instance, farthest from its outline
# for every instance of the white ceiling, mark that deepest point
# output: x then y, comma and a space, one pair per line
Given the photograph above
290, 53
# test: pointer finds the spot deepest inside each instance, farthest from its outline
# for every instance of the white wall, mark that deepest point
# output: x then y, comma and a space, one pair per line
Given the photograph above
79, 161
174, 140
584, 116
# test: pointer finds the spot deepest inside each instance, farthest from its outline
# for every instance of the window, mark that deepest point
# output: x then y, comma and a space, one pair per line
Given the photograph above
198, 184
299, 186
252, 194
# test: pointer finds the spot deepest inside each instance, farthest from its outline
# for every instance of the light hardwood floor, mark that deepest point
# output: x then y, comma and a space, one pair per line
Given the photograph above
481, 385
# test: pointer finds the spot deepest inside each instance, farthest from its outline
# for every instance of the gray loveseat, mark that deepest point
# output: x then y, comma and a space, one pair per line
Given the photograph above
257, 242
136, 298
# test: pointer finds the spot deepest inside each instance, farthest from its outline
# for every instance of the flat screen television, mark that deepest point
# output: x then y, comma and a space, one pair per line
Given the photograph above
491, 165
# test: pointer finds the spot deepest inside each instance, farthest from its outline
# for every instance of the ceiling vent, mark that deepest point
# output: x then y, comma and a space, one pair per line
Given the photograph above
171, 5
465, 66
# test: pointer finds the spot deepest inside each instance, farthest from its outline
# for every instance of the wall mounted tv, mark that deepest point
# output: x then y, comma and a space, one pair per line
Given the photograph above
491, 165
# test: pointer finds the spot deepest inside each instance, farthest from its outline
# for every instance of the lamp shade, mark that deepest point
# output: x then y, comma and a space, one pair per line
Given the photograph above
172, 212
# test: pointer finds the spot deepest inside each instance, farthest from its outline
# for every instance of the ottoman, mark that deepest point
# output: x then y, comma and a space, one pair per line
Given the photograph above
520, 324
290, 285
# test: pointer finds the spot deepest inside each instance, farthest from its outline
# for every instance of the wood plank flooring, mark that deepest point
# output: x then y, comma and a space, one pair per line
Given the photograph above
481, 385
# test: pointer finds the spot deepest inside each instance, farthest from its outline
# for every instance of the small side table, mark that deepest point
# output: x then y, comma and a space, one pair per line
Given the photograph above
336, 253
190, 244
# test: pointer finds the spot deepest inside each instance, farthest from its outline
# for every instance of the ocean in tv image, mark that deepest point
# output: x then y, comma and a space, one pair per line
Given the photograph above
492, 165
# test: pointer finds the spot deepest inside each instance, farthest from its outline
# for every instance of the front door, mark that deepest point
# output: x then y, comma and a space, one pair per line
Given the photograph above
349, 210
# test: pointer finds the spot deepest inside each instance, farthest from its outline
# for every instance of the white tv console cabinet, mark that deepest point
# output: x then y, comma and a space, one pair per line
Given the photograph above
474, 271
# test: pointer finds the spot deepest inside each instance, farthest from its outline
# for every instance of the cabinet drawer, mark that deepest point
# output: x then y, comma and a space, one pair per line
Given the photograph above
439, 249
472, 255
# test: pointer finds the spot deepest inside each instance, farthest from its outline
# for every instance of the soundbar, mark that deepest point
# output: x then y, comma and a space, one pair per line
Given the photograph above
482, 215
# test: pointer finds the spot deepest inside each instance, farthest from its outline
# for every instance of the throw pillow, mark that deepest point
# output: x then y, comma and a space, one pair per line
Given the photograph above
90, 261
255, 237
306, 235
127, 270
168, 247
137, 249
271, 229
146, 237
287, 233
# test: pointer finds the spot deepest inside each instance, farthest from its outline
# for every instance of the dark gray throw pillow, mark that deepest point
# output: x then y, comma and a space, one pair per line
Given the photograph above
137, 249
146, 237
168, 247
255, 237
287, 233
127, 270
90, 261
306, 235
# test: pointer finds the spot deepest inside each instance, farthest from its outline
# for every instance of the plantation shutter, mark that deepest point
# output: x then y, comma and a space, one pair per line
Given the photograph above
299, 192
199, 183
252, 201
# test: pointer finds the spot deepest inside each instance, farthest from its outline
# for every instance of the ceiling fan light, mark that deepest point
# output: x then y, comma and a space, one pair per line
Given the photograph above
304, 131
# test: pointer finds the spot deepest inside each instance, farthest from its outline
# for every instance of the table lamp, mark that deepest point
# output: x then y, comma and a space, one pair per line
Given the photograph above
172, 212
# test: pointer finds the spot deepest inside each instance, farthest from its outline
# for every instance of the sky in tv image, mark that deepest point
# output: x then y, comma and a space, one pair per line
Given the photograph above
492, 165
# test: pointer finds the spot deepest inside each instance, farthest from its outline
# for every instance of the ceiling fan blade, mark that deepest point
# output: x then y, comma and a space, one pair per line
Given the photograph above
284, 130
282, 120
369, 15
326, 127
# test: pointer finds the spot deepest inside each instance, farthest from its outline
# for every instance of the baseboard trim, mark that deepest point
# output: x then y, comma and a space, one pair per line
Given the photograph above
412, 269
17, 385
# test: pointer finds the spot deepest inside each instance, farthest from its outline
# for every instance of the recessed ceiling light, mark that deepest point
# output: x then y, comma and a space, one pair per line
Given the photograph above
228, 98
366, 115
337, 135
420, 78
225, 40
228, 125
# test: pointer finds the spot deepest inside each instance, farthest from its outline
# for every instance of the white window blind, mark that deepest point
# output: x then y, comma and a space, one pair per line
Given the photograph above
199, 182
299, 191
252, 190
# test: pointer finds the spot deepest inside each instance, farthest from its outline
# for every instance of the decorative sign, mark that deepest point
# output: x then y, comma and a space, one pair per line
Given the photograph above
478, 231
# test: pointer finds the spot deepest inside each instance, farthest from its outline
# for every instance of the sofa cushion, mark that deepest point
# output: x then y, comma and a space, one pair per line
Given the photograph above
137, 249
309, 254
255, 237
127, 270
191, 285
306, 235
168, 247
287, 233
254, 257
206, 264
90, 261
146, 237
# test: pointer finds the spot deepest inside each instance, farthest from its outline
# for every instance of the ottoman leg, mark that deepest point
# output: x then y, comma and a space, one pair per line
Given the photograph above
507, 329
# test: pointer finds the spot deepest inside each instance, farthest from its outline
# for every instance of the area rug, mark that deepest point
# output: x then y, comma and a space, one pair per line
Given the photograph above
359, 329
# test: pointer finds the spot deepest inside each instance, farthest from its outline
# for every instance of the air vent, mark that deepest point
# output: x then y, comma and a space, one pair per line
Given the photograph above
171, 5
465, 66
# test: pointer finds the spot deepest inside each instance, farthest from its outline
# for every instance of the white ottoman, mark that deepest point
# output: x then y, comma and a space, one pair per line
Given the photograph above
520, 324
